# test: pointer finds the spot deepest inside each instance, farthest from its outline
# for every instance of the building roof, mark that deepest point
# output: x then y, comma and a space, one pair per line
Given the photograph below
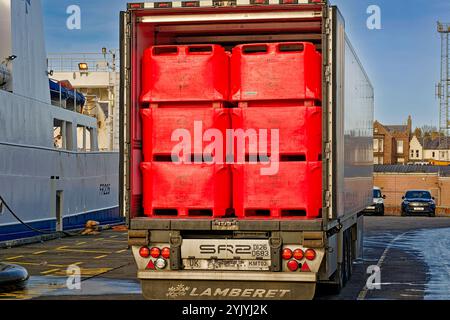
436, 144
398, 168
396, 128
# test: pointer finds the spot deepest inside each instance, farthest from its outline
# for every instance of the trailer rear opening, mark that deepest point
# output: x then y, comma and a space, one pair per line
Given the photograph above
270, 114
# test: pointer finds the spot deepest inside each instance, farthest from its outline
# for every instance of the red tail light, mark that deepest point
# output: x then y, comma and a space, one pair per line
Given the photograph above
144, 252
292, 265
165, 253
305, 268
310, 254
286, 254
155, 252
299, 254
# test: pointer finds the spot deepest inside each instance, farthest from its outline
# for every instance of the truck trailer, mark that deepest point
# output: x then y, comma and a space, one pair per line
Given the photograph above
223, 225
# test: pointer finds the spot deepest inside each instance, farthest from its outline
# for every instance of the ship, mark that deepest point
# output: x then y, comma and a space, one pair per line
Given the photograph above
54, 177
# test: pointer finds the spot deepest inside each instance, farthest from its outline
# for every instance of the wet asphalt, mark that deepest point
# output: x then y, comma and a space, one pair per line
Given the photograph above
412, 253
413, 256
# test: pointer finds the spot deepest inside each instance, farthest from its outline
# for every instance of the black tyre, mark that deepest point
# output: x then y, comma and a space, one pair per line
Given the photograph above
382, 211
350, 255
340, 276
338, 279
346, 263
433, 214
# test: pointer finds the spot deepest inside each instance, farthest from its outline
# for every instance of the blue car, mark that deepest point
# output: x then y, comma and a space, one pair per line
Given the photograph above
418, 202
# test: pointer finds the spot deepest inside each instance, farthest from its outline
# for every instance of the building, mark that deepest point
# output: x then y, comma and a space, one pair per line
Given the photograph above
395, 180
392, 142
427, 149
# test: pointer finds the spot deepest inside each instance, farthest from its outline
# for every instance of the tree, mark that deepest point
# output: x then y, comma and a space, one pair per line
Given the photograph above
418, 133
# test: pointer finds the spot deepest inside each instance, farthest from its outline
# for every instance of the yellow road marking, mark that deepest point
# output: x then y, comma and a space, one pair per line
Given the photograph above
14, 295
86, 272
49, 271
81, 243
84, 251
78, 263
112, 237
14, 258
122, 251
39, 252
101, 257
115, 241
40, 264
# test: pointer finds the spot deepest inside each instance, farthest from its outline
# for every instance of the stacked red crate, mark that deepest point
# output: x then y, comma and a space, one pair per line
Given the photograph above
183, 93
278, 87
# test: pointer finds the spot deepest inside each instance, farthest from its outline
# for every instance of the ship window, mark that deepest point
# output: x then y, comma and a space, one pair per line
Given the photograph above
58, 138
84, 138
62, 135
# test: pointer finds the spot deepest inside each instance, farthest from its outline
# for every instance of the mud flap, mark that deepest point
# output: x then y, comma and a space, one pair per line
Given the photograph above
157, 289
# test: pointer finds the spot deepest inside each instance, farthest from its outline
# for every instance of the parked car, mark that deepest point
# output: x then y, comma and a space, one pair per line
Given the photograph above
418, 202
377, 207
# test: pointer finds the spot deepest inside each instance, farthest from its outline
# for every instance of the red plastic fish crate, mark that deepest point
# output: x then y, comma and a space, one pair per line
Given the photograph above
185, 190
299, 129
276, 71
294, 192
185, 73
159, 124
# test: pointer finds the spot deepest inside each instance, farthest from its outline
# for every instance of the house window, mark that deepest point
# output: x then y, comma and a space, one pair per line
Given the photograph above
433, 154
417, 153
400, 147
378, 145
401, 160
412, 153
381, 160
375, 160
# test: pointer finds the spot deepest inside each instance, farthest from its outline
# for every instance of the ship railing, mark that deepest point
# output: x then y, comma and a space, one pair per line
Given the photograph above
84, 62
69, 104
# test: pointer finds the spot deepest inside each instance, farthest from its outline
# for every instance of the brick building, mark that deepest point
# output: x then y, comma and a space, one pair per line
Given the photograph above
395, 180
391, 143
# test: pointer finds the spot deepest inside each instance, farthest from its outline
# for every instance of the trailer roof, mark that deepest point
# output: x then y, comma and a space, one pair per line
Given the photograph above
215, 3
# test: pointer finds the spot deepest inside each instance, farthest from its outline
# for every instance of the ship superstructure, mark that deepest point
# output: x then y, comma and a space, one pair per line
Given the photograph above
52, 173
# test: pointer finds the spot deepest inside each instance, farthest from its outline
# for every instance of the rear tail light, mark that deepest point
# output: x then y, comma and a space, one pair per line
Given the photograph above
190, 4
165, 253
160, 263
305, 268
155, 252
310, 254
292, 265
286, 254
144, 252
299, 254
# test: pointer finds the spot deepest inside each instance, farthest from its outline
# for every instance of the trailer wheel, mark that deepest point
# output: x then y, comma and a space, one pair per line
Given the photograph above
339, 278
337, 282
345, 262
349, 254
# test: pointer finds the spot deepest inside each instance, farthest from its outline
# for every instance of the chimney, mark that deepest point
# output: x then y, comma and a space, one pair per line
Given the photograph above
409, 124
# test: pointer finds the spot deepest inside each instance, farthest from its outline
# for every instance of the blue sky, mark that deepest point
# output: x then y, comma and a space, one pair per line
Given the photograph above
402, 59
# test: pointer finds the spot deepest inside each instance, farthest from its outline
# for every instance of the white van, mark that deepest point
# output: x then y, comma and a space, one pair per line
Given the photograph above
377, 208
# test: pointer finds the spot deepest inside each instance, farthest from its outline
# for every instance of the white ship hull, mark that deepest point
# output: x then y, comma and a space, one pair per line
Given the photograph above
49, 186
32, 171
